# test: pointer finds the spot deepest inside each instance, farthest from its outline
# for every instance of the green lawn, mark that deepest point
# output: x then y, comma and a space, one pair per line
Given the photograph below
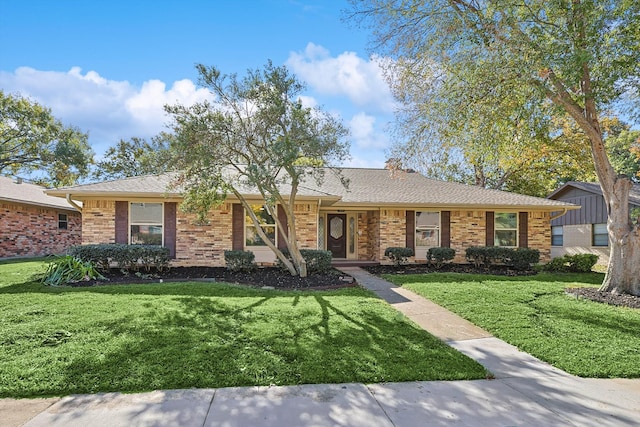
533, 313
58, 341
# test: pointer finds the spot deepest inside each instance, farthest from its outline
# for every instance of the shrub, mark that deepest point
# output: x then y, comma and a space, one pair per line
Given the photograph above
318, 261
439, 256
69, 269
126, 257
579, 263
518, 258
523, 258
240, 260
398, 255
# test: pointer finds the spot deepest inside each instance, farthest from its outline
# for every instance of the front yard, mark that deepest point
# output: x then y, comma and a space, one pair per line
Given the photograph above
129, 338
579, 336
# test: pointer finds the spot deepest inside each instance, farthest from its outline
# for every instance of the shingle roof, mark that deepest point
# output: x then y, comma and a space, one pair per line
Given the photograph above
594, 187
367, 187
30, 194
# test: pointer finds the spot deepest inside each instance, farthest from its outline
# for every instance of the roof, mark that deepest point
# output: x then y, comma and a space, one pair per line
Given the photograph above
31, 194
366, 187
594, 187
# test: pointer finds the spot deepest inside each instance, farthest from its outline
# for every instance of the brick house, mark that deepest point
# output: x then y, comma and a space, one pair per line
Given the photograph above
33, 223
378, 209
585, 230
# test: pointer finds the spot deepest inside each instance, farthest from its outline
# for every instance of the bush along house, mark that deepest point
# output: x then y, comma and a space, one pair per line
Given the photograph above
378, 209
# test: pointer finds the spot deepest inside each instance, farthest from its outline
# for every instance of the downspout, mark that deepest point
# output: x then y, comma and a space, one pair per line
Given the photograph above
72, 203
564, 212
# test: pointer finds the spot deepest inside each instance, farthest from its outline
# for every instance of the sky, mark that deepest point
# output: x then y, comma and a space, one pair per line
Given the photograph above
109, 66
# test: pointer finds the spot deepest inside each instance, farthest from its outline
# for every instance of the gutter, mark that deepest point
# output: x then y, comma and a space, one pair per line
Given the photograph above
72, 203
564, 212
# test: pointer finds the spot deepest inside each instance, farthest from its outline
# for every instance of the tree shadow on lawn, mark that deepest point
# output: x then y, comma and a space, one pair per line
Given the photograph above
206, 343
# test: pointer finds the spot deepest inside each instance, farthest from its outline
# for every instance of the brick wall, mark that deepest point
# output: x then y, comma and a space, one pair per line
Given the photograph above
27, 230
468, 228
203, 245
540, 234
98, 221
393, 230
307, 225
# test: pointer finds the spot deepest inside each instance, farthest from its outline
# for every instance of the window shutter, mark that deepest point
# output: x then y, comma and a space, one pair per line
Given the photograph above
122, 222
445, 229
523, 230
237, 226
411, 230
284, 232
490, 229
170, 210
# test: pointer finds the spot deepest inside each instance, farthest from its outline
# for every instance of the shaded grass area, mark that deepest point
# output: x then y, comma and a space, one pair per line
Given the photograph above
534, 313
131, 338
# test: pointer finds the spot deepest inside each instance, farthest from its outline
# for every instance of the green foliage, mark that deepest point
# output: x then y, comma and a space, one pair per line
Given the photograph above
578, 263
135, 157
518, 258
69, 269
240, 260
535, 314
398, 255
135, 338
31, 139
439, 256
318, 261
256, 136
126, 257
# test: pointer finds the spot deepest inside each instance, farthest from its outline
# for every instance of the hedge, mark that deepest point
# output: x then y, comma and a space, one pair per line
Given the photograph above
126, 257
439, 256
398, 255
318, 261
240, 260
518, 258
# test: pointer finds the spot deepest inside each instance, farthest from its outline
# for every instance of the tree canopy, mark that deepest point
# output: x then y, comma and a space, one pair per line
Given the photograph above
255, 135
135, 157
510, 66
31, 140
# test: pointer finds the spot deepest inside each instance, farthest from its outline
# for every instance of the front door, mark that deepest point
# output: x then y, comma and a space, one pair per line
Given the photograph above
337, 235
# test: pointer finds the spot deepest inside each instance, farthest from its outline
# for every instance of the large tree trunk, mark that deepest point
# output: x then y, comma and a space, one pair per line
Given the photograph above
623, 271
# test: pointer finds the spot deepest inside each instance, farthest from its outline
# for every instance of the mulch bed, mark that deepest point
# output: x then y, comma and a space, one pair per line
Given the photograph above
623, 300
499, 270
262, 277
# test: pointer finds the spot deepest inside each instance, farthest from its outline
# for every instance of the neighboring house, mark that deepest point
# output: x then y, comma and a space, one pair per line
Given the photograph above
584, 230
33, 223
379, 209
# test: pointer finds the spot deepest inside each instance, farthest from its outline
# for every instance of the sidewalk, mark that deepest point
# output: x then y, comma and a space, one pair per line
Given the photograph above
525, 392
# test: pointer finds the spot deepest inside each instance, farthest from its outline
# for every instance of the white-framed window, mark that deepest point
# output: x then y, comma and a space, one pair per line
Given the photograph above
600, 235
557, 235
267, 223
63, 221
506, 229
427, 229
145, 223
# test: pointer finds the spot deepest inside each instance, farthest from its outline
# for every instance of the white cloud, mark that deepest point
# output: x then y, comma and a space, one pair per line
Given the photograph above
107, 109
364, 133
361, 80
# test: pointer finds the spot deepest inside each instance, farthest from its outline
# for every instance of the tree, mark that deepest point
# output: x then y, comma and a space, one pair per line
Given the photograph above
31, 139
257, 135
135, 157
579, 57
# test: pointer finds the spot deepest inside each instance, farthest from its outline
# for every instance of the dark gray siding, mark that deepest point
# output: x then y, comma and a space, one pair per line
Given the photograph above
593, 210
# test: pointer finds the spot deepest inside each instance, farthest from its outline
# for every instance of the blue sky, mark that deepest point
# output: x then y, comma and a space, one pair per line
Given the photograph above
108, 66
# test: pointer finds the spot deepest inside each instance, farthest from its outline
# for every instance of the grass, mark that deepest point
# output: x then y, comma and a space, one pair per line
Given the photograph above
582, 337
130, 338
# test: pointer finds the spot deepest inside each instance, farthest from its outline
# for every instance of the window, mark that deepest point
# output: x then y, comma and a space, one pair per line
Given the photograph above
145, 222
428, 229
267, 223
600, 235
352, 235
557, 235
63, 221
506, 229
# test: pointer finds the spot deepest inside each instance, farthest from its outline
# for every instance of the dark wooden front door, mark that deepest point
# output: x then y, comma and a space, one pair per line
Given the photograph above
337, 235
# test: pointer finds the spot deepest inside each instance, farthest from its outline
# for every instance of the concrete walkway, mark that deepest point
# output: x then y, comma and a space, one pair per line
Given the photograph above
525, 392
